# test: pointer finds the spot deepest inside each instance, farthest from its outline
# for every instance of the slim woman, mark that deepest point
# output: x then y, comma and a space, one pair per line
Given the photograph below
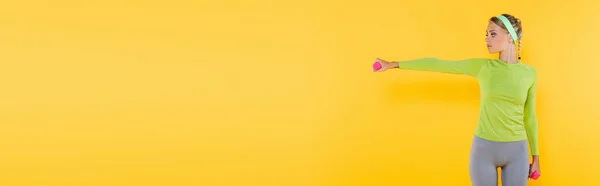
507, 121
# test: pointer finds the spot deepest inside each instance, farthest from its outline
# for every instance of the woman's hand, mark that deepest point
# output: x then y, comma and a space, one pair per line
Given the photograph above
535, 166
385, 65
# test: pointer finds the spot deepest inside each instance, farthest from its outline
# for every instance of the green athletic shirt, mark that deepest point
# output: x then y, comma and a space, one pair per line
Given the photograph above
507, 95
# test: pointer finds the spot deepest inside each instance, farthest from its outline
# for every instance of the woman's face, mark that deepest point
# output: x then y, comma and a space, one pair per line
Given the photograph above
496, 38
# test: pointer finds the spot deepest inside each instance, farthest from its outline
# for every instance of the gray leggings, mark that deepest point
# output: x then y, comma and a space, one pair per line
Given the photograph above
487, 156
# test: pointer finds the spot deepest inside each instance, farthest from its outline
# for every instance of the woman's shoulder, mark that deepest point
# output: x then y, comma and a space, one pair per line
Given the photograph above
529, 67
530, 70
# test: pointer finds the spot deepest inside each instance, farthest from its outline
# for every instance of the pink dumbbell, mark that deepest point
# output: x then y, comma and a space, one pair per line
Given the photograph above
535, 175
376, 65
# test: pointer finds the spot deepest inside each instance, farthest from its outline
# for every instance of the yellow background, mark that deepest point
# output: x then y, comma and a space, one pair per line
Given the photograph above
278, 93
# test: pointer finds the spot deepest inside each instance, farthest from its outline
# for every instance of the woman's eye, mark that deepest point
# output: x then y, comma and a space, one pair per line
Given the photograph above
493, 34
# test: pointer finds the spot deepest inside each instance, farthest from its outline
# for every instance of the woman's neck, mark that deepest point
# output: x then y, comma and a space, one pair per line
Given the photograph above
509, 56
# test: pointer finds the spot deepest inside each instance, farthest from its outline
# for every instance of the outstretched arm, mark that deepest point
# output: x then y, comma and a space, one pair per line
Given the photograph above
470, 66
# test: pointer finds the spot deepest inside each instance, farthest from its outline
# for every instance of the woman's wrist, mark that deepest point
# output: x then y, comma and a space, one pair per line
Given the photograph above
535, 158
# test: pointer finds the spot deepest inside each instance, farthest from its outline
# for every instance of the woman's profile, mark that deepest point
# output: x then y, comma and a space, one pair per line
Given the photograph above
507, 121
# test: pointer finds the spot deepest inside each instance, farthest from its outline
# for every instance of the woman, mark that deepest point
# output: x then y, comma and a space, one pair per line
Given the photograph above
508, 112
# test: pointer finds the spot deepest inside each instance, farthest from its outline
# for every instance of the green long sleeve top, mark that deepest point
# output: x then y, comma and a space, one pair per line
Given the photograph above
507, 96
